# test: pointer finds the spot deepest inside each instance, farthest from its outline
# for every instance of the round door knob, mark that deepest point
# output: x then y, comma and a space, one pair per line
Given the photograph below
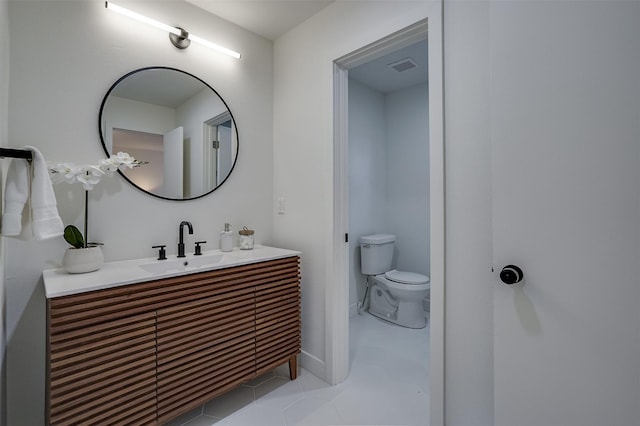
511, 274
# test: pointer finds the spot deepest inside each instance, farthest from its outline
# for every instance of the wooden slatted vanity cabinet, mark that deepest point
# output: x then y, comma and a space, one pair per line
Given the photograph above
144, 353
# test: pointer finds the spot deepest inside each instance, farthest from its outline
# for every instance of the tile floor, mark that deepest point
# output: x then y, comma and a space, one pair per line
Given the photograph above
387, 385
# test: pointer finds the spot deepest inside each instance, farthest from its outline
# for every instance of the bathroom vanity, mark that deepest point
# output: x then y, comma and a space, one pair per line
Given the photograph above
131, 344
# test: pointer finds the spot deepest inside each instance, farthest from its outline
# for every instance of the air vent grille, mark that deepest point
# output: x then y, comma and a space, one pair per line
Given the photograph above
403, 65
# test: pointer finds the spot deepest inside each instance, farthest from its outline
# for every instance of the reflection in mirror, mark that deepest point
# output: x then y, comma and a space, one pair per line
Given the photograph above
175, 122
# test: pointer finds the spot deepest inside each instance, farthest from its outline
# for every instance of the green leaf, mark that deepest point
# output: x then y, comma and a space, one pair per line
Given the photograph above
73, 236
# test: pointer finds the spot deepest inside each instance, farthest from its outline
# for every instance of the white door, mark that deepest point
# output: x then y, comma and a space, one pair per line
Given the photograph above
565, 96
173, 163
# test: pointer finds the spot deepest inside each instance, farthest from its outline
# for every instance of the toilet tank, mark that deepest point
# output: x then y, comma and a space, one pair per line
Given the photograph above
376, 253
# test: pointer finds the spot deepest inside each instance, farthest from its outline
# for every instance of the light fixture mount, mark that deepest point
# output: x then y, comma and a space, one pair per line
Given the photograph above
180, 41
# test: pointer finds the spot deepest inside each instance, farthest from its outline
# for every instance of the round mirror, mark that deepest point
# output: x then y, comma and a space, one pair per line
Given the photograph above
176, 123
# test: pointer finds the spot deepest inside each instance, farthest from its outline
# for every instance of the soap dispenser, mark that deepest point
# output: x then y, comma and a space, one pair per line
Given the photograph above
226, 238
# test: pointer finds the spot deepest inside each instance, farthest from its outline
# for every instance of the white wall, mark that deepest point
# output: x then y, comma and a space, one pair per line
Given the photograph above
367, 176
407, 119
304, 166
4, 100
128, 114
388, 176
65, 55
192, 114
469, 281
303, 139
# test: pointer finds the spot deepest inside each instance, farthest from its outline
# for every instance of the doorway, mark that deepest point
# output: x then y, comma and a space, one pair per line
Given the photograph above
218, 153
389, 162
341, 298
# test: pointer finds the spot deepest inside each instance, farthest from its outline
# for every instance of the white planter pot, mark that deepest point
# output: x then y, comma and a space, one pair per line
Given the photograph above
81, 260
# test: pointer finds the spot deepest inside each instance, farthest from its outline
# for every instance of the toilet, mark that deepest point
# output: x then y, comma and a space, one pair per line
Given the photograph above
395, 296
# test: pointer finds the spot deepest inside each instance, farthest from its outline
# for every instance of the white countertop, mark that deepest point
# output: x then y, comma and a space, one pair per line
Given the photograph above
58, 283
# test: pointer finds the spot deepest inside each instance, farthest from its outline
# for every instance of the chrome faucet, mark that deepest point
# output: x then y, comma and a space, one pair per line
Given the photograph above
181, 242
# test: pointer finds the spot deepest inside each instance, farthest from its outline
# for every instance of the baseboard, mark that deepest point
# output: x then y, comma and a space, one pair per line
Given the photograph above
312, 364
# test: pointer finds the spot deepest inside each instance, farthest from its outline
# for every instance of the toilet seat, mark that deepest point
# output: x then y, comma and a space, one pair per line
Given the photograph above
417, 284
404, 277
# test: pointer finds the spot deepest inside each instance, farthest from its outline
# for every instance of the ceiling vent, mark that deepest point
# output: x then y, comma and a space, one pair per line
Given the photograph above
403, 65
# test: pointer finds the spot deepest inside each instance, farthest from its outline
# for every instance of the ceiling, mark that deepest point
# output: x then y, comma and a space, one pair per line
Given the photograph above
272, 18
163, 87
379, 75
268, 18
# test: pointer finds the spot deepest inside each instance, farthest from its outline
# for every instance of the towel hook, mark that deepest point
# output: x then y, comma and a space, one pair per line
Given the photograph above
16, 153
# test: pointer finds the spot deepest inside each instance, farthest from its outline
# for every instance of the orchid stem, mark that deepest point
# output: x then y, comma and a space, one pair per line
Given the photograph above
86, 217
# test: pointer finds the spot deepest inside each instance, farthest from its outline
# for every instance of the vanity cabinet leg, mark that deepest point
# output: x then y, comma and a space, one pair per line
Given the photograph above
293, 367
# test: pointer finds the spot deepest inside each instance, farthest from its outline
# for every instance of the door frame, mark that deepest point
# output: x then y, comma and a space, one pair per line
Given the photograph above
337, 305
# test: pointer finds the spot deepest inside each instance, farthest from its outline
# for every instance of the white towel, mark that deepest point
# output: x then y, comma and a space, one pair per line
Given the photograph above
16, 194
30, 185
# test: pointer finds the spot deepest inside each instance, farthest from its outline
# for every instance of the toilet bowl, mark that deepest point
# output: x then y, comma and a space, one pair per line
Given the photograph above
396, 296
403, 302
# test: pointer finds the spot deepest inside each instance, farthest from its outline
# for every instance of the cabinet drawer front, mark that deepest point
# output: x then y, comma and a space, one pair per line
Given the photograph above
103, 373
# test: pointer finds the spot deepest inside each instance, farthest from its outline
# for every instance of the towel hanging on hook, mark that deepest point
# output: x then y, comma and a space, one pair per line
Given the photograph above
29, 200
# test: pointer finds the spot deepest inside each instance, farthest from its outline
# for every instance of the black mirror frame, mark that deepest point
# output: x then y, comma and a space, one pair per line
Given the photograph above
104, 145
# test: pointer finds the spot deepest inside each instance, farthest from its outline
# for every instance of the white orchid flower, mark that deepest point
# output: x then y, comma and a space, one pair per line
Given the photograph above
125, 161
90, 175
65, 172
93, 170
109, 166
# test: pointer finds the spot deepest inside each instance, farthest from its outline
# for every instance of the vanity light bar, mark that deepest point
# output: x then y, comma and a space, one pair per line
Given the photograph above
141, 18
214, 46
179, 32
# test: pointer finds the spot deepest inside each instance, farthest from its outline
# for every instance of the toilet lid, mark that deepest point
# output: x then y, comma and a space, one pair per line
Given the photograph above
406, 277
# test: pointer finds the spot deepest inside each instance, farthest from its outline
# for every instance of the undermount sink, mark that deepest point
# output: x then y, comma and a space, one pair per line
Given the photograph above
182, 263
